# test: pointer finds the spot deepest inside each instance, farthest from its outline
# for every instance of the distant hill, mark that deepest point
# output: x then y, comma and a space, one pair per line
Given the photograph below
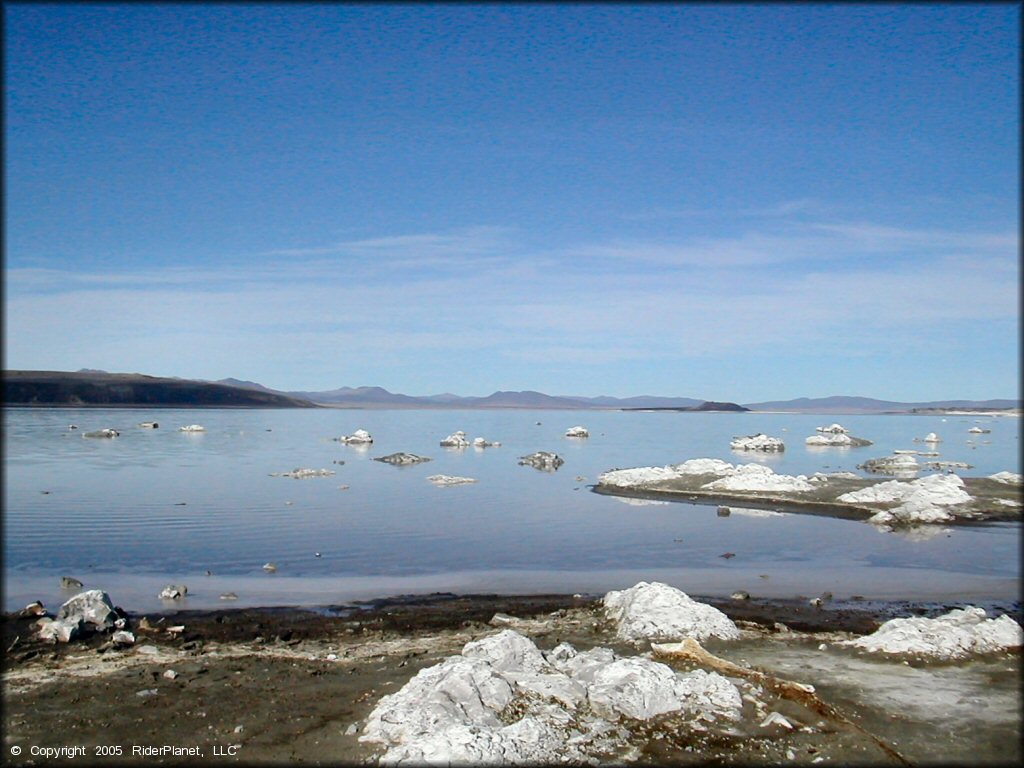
92, 388
848, 404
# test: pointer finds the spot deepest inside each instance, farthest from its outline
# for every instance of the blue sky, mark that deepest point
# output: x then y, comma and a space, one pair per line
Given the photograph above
735, 202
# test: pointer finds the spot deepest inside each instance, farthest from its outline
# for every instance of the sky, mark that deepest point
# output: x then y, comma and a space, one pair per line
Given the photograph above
723, 202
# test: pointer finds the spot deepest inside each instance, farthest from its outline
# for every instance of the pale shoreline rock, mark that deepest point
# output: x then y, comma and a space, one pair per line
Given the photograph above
657, 611
958, 634
502, 700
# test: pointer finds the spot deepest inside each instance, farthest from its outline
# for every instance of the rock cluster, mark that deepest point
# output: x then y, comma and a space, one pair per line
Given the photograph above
931, 499
455, 440
85, 613
502, 700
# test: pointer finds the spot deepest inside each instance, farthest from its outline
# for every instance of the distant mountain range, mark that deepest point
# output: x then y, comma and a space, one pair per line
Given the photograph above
370, 397
94, 387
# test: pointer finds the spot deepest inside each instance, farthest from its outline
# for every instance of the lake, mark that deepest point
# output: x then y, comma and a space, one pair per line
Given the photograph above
158, 506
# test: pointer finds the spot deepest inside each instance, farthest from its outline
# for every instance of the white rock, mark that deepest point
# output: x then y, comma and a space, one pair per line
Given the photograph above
173, 592
455, 440
359, 437
92, 608
758, 442
503, 701
931, 437
957, 634
577, 432
979, 431
192, 428
929, 499
1010, 478
638, 477
479, 442
704, 467
656, 611
757, 477
123, 637
837, 439
62, 631
834, 429
774, 718
450, 480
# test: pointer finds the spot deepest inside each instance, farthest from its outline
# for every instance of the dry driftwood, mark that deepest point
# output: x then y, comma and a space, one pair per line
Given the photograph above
690, 650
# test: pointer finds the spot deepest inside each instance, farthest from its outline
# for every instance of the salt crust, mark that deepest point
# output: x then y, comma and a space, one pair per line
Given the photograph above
960, 633
504, 701
757, 477
927, 500
741, 477
1010, 478
657, 611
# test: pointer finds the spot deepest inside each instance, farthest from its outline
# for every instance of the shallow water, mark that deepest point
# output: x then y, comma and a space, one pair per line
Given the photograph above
160, 506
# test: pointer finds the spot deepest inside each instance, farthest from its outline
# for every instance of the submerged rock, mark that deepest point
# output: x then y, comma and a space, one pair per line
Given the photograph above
504, 701
455, 440
303, 473
899, 464
836, 439
402, 459
192, 428
758, 442
450, 480
657, 611
544, 460
149, 425
960, 633
577, 432
102, 433
479, 442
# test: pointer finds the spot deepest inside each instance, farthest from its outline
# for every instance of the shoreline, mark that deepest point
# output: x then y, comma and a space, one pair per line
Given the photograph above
286, 684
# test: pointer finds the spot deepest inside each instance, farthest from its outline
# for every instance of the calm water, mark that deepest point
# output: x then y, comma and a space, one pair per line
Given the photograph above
153, 507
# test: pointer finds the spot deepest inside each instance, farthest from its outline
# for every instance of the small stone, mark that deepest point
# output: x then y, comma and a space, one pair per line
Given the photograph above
170, 674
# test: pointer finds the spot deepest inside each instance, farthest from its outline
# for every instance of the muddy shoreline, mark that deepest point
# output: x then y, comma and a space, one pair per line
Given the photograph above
285, 685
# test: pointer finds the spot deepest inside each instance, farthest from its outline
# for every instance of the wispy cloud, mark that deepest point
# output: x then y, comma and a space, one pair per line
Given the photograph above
598, 304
